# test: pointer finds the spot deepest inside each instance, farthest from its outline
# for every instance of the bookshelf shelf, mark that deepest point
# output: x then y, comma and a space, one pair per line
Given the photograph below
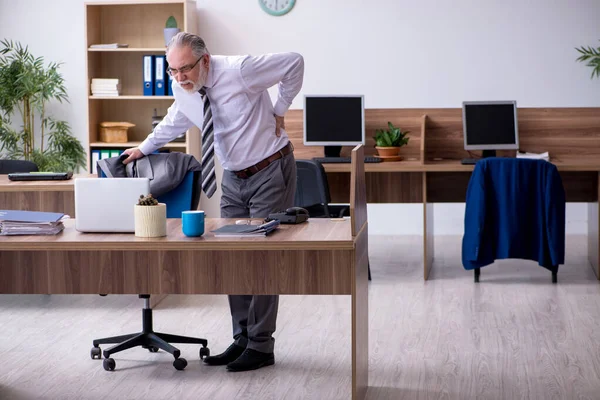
139, 24
123, 97
130, 49
126, 145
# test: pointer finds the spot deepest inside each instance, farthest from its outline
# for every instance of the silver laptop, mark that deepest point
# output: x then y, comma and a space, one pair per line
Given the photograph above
107, 204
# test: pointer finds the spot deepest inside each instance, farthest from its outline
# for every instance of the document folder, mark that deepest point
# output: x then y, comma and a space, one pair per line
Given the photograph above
159, 76
148, 75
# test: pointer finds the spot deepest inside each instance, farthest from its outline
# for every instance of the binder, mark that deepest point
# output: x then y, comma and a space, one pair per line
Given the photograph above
148, 75
115, 153
170, 86
104, 153
95, 159
169, 80
159, 76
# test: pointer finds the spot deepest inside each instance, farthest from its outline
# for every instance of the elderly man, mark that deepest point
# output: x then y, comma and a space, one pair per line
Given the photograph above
227, 98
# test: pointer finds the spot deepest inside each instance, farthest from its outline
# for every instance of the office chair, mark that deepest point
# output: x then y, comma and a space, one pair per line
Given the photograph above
515, 208
15, 166
312, 193
184, 197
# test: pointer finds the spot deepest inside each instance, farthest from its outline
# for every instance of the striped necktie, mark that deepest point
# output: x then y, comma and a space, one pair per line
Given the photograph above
209, 179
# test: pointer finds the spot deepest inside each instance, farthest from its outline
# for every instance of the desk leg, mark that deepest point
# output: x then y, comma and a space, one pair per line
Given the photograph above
427, 231
360, 317
593, 233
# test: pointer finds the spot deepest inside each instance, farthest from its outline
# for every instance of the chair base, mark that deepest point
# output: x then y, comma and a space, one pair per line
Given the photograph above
477, 273
148, 339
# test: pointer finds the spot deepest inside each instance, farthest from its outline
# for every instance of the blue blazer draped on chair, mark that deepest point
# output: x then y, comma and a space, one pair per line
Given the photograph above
515, 208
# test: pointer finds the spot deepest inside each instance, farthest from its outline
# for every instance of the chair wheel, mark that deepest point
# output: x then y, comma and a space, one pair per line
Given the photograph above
204, 352
180, 364
153, 349
96, 353
109, 364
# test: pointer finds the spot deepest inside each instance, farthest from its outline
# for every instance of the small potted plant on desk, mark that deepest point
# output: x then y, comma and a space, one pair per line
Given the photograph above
150, 217
388, 142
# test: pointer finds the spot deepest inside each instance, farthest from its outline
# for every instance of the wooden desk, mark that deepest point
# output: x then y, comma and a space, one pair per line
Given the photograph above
321, 256
446, 182
431, 171
50, 196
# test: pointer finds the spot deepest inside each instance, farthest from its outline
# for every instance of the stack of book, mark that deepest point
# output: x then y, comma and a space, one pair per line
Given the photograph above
106, 87
16, 222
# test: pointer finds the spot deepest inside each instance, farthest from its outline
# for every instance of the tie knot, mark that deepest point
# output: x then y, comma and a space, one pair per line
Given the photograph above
202, 91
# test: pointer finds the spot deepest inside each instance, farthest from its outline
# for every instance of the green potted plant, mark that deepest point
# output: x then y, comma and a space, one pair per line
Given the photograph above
592, 56
26, 89
170, 30
388, 141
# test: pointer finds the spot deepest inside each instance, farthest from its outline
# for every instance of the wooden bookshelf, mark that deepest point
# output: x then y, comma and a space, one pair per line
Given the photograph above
139, 24
126, 145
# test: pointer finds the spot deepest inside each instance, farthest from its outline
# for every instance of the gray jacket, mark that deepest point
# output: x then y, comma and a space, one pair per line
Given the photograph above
165, 170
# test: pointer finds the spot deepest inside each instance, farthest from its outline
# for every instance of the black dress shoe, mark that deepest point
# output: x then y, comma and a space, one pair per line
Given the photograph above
229, 355
251, 359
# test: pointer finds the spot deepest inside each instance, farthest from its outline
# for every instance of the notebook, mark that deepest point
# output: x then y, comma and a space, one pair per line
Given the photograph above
107, 204
246, 230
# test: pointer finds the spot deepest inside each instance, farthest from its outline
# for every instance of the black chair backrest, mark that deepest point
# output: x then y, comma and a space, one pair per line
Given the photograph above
311, 184
14, 166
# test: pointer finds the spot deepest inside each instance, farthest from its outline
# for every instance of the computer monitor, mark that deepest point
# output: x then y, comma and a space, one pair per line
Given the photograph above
490, 126
334, 121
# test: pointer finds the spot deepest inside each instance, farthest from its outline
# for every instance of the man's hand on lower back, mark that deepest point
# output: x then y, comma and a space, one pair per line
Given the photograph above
279, 125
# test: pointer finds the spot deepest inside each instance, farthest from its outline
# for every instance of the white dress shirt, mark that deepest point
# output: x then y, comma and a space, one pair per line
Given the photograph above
243, 114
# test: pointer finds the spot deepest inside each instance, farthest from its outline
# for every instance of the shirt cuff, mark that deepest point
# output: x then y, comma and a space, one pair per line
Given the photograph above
281, 108
147, 147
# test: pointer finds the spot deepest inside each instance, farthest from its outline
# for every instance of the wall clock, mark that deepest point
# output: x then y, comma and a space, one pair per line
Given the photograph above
277, 7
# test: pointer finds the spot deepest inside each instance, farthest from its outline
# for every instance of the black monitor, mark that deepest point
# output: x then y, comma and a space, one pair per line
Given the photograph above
490, 126
334, 121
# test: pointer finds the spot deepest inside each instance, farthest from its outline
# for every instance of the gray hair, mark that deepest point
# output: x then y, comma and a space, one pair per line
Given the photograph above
195, 42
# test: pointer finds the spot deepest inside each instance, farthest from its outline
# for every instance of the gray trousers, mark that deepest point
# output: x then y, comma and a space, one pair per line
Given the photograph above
270, 190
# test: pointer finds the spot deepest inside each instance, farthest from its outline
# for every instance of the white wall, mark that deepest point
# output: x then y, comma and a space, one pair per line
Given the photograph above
398, 53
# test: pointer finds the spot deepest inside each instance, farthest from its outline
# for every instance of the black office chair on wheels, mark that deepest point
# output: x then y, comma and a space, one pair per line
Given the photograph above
185, 197
312, 193
15, 166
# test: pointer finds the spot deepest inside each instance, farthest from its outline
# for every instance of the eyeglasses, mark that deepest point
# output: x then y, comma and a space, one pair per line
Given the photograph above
182, 70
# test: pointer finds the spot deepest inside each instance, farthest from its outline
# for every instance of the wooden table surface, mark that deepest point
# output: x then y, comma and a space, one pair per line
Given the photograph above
7, 185
315, 234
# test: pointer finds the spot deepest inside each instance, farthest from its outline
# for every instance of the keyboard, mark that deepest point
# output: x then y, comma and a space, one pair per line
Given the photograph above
469, 161
338, 160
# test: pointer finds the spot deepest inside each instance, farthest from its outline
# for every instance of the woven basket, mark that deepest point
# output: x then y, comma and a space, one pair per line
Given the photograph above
114, 132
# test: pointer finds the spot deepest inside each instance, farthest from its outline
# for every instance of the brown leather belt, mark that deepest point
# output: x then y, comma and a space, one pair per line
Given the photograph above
259, 166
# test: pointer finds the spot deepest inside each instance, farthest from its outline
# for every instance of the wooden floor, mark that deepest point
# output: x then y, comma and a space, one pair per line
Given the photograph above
512, 336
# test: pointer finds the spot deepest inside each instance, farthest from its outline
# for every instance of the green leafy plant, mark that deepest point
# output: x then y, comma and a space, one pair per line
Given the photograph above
592, 56
171, 22
26, 88
391, 137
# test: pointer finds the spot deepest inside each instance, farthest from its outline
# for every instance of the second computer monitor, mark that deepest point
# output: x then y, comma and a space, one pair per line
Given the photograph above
490, 126
334, 121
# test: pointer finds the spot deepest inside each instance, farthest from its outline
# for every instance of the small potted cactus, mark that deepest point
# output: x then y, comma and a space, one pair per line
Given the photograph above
170, 30
150, 217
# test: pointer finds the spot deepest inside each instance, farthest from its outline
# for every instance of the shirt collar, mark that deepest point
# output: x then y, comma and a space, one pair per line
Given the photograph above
210, 77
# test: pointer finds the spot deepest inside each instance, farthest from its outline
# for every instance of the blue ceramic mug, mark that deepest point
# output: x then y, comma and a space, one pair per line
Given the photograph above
192, 223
